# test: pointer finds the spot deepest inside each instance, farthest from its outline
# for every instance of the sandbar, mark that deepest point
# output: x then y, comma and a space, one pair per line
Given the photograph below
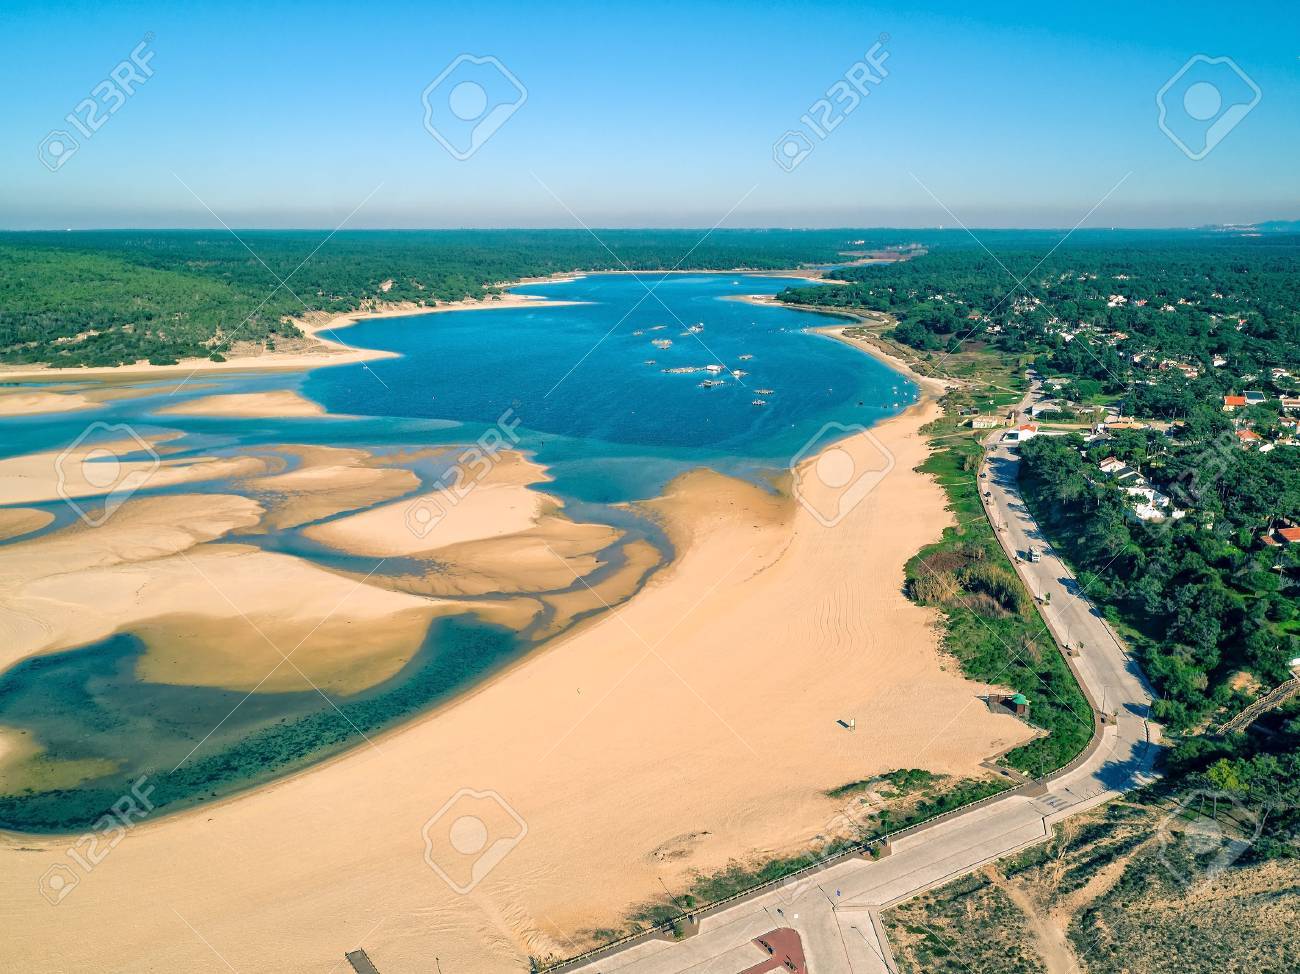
255, 405
706, 705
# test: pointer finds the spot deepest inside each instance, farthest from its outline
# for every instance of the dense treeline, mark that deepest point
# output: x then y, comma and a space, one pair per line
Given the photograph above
106, 298
1156, 326
1191, 298
1206, 600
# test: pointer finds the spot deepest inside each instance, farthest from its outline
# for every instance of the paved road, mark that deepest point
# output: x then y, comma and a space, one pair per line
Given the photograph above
836, 912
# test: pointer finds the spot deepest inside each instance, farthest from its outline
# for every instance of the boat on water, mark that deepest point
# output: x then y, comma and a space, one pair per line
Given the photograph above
696, 328
759, 402
764, 392
662, 343
746, 357
738, 373
711, 383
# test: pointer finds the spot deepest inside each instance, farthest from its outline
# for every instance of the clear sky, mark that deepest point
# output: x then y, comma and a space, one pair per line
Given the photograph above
282, 114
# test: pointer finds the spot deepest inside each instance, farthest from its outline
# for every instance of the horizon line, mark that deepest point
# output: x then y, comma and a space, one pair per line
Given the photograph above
931, 228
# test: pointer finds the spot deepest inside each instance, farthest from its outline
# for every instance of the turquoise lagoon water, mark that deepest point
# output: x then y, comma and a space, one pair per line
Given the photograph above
576, 381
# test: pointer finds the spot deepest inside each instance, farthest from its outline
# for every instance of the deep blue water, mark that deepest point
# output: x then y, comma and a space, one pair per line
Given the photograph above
575, 379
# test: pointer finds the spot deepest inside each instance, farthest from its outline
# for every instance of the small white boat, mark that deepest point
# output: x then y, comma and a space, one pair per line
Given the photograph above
738, 373
759, 402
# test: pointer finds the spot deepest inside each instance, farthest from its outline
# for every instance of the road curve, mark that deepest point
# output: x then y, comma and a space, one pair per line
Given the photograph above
836, 911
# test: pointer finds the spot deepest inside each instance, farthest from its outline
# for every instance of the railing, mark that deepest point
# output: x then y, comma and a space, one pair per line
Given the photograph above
1278, 695
855, 850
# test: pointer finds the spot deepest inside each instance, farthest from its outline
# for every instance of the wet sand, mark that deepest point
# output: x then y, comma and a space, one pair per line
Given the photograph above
705, 706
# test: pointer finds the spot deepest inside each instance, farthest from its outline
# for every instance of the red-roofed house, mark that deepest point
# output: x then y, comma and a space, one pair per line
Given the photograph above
1281, 536
1233, 402
1249, 438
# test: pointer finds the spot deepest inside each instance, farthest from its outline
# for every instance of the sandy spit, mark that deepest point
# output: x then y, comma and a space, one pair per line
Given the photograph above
321, 328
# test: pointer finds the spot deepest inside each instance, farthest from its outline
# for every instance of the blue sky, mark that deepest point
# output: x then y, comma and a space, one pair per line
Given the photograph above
662, 114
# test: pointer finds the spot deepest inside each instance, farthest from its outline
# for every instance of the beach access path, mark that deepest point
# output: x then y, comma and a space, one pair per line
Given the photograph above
836, 911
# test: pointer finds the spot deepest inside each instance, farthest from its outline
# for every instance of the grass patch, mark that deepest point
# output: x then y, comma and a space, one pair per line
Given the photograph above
992, 627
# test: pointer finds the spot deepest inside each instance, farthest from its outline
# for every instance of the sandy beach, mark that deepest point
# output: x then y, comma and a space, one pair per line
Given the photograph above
700, 717
693, 725
931, 385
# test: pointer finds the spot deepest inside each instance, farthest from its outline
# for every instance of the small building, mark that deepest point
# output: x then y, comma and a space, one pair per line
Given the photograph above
1023, 432
1017, 703
1233, 403
1280, 534
985, 422
1249, 439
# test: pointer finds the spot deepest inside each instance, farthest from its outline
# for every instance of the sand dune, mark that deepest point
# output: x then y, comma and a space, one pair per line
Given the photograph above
706, 706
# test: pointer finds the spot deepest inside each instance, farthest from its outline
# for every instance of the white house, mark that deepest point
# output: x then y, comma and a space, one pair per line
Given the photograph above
1023, 432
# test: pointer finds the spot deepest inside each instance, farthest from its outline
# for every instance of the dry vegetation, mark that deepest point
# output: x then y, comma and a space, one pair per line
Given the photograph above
1114, 892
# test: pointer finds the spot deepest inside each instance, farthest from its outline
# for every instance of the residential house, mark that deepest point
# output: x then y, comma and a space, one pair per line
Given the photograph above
1046, 406
1233, 403
1280, 534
